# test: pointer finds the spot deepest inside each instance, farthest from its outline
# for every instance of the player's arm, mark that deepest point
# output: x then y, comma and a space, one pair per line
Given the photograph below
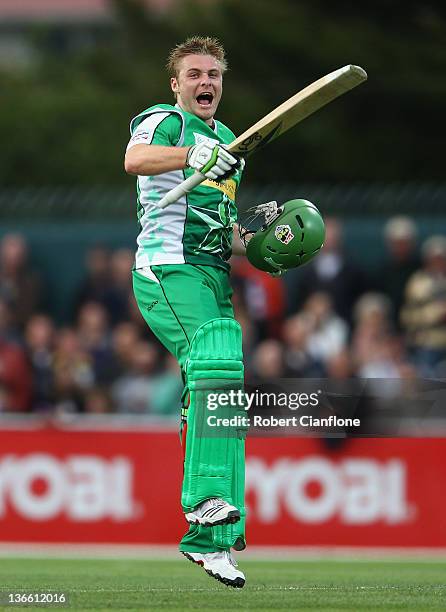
213, 161
150, 160
152, 151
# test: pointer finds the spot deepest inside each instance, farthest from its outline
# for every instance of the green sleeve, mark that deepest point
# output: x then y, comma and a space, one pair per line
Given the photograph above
168, 132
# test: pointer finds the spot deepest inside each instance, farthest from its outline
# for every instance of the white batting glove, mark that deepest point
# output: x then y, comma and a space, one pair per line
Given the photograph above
214, 161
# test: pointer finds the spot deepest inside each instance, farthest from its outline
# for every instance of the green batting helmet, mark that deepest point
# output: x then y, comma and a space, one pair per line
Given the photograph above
291, 235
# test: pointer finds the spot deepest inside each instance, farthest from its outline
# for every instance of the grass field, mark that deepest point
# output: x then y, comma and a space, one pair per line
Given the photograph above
271, 585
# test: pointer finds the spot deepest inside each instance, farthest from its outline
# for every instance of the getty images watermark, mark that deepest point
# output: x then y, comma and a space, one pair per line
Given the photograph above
355, 407
267, 410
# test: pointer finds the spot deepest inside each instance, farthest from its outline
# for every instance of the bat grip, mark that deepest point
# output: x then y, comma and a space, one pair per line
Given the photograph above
180, 190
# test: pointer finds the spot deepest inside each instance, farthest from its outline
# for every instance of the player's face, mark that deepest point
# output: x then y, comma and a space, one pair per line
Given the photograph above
198, 86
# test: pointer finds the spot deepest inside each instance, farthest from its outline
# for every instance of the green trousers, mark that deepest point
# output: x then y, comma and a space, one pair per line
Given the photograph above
175, 300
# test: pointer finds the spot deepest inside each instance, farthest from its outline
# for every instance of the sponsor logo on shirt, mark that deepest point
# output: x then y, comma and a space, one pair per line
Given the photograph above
228, 187
141, 137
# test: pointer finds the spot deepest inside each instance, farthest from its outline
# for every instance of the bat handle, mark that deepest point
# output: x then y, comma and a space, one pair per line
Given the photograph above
180, 190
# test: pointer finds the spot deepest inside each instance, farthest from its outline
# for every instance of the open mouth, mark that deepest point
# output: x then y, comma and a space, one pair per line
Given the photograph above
205, 99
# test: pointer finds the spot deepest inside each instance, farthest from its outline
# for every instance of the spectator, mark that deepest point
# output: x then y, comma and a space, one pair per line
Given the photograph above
39, 338
401, 261
73, 366
333, 273
298, 361
424, 312
3, 399
132, 392
166, 389
98, 401
248, 328
329, 333
116, 299
20, 285
125, 337
94, 338
73, 372
377, 350
372, 330
97, 278
15, 378
380, 361
8, 330
68, 395
263, 295
268, 361
339, 366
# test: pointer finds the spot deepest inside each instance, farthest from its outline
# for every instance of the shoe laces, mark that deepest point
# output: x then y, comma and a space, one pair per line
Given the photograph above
215, 501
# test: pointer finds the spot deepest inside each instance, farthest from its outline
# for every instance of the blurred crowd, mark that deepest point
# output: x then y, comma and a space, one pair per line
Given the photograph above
331, 318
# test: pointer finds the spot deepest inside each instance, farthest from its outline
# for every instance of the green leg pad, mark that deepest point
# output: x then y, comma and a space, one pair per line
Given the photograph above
225, 536
214, 460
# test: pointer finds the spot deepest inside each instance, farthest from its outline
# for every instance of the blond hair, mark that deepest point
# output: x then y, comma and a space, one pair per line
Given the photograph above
196, 45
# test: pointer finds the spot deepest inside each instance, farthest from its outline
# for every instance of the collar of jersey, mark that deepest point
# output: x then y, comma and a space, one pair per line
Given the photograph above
213, 128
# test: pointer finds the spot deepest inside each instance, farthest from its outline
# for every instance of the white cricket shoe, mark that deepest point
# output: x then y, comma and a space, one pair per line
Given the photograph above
219, 565
214, 511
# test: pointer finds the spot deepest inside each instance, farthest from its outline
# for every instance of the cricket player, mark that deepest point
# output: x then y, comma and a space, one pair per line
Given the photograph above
181, 285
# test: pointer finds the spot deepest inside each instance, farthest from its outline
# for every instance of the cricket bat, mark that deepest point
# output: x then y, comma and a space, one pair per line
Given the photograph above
281, 119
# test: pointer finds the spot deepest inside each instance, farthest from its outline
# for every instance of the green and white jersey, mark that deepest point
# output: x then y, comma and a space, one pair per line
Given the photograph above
198, 228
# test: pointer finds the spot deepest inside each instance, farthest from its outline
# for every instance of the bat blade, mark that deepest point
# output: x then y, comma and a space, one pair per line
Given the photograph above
297, 108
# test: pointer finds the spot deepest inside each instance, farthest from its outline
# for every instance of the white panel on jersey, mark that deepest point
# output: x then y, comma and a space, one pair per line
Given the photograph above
160, 240
147, 272
145, 130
